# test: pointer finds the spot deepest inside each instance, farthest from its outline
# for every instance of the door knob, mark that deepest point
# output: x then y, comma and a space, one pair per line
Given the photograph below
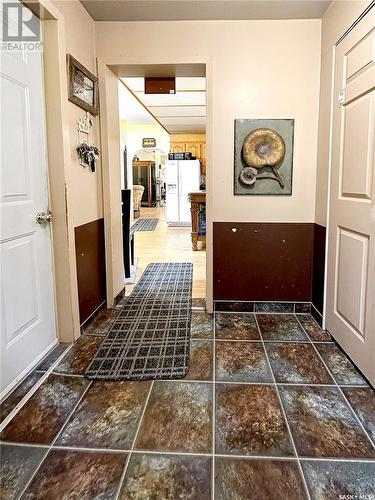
43, 217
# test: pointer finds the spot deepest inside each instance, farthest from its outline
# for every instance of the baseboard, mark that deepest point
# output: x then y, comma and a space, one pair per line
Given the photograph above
317, 315
280, 307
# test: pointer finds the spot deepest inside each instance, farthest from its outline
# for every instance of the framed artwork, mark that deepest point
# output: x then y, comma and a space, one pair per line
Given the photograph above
82, 86
149, 142
263, 156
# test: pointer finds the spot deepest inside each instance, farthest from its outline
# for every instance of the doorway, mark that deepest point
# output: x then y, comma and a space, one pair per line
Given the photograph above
163, 176
148, 171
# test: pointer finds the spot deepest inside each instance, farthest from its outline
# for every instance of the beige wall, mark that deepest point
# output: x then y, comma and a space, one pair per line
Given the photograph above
85, 187
337, 19
75, 193
259, 69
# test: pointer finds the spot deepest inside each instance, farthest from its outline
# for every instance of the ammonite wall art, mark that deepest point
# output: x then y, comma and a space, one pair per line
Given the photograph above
263, 156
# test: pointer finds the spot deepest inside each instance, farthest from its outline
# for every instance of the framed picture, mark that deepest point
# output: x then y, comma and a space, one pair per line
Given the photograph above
263, 157
149, 142
83, 86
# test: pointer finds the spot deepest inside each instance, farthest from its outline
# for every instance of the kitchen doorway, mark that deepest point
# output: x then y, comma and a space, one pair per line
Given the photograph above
164, 178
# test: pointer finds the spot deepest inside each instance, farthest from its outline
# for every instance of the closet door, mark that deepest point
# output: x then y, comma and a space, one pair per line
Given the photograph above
350, 307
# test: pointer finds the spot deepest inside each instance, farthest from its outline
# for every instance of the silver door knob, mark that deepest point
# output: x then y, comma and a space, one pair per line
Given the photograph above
43, 217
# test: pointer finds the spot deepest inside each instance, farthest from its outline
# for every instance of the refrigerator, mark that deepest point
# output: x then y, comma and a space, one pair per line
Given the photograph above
181, 177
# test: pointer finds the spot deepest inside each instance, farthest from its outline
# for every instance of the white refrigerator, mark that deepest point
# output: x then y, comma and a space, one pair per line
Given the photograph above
181, 178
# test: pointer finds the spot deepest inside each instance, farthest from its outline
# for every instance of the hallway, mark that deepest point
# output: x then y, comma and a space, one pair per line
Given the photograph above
270, 405
131, 366
168, 244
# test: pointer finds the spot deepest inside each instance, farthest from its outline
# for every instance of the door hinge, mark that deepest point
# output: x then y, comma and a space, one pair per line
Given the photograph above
341, 97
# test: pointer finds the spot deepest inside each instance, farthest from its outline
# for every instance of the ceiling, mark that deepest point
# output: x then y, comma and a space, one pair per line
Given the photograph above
125, 70
131, 110
184, 111
181, 10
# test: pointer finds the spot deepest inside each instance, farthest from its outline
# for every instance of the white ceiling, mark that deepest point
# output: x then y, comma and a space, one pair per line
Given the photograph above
184, 111
180, 10
132, 110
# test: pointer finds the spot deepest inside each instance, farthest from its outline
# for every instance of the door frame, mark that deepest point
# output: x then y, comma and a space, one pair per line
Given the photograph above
58, 160
338, 41
110, 142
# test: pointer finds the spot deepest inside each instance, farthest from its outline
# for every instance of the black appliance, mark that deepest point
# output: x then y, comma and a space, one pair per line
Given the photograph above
180, 156
127, 235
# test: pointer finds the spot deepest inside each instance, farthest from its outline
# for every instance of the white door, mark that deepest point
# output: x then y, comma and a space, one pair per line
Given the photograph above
28, 327
171, 195
350, 308
189, 173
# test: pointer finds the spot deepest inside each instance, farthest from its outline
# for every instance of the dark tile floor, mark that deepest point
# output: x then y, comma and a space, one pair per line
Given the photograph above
271, 408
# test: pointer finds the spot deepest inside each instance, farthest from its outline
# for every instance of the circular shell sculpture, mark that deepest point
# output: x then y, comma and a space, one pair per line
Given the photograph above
263, 147
248, 176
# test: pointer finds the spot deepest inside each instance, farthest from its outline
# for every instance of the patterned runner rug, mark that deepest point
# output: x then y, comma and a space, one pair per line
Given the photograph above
144, 225
150, 338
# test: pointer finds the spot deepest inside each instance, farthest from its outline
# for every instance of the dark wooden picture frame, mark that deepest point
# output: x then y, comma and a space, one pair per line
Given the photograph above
75, 68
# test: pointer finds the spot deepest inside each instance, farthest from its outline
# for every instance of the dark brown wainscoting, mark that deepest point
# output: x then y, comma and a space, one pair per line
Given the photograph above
90, 257
263, 261
319, 254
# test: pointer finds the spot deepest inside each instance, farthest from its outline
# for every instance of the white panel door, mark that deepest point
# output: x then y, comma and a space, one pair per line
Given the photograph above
28, 327
350, 308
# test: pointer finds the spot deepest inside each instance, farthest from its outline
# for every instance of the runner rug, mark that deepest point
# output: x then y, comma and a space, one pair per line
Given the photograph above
150, 338
144, 225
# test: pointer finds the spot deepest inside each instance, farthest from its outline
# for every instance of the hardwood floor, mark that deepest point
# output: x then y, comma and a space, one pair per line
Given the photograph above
168, 244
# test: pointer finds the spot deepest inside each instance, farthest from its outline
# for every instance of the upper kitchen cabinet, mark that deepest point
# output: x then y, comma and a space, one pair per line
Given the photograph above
191, 143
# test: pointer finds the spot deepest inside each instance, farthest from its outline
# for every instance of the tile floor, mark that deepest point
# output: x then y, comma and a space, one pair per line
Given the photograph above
271, 409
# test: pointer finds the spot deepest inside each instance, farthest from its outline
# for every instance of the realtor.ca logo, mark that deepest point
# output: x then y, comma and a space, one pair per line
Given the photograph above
21, 28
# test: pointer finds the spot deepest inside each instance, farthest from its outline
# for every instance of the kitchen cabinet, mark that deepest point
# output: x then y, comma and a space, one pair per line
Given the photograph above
178, 147
191, 143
